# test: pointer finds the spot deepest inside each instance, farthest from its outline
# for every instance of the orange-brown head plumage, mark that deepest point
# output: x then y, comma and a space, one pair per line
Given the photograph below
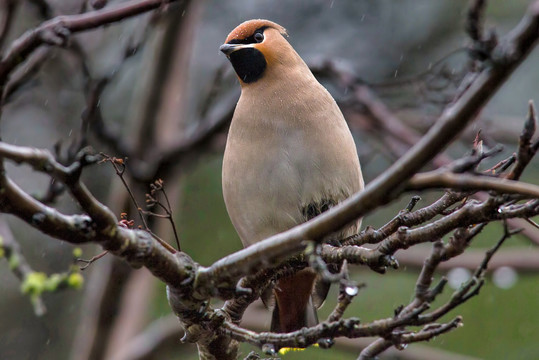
246, 29
255, 47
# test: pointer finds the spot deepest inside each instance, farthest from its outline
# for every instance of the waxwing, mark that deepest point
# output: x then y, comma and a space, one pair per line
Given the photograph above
289, 157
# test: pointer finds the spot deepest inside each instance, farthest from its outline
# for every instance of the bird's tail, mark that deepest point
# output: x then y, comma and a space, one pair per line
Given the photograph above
294, 308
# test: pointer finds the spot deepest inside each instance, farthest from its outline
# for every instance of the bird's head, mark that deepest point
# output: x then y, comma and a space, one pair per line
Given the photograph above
256, 47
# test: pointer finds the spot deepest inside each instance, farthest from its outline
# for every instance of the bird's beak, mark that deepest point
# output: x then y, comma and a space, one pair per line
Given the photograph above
228, 49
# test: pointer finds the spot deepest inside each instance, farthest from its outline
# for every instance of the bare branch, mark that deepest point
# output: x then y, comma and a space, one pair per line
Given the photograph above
137, 247
359, 255
21, 75
417, 352
119, 168
7, 10
474, 26
56, 31
388, 185
91, 260
192, 287
158, 186
526, 149
523, 261
402, 136
347, 291
404, 218
466, 182
424, 296
307, 336
427, 333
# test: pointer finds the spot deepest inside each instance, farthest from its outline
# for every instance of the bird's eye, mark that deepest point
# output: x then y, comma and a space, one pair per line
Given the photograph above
259, 37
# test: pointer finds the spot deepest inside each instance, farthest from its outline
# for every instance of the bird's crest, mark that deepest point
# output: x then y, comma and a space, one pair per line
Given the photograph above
247, 29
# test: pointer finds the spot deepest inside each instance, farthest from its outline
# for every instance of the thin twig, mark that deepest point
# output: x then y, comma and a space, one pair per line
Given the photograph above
526, 149
466, 182
152, 199
57, 30
119, 168
7, 11
92, 260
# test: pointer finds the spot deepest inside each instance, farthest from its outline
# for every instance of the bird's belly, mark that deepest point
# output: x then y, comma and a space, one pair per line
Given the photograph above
274, 191
265, 198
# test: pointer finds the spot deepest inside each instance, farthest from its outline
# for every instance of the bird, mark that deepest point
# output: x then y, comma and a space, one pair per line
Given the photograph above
289, 156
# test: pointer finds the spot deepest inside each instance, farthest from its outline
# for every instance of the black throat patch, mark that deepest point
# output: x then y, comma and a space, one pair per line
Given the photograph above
249, 64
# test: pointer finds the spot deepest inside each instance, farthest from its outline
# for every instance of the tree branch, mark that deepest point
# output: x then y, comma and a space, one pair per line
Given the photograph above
307, 336
191, 287
466, 182
516, 46
7, 10
136, 246
424, 295
57, 30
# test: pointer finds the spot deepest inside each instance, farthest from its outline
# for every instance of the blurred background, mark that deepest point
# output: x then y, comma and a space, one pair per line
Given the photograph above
169, 95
